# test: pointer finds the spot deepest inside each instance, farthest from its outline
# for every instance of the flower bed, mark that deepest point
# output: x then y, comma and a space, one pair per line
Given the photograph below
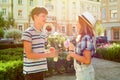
57, 40
109, 52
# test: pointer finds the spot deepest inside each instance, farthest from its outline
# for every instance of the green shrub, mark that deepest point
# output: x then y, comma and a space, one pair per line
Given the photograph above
6, 46
11, 54
118, 42
13, 33
1, 32
11, 64
100, 52
112, 52
11, 70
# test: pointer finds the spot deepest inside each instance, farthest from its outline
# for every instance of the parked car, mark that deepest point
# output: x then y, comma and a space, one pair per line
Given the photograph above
101, 39
6, 41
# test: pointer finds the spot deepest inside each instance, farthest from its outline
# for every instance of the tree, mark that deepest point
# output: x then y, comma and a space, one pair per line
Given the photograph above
2, 21
99, 30
1, 32
6, 23
13, 33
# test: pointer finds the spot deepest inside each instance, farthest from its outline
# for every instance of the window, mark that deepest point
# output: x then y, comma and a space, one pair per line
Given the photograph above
21, 27
19, 12
63, 29
31, 2
4, 11
116, 34
63, 5
73, 16
113, 13
63, 16
104, 13
73, 5
20, 2
98, 0
74, 29
4, 1
49, 6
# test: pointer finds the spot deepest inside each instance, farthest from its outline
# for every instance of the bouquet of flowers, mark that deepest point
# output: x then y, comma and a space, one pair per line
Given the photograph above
56, 40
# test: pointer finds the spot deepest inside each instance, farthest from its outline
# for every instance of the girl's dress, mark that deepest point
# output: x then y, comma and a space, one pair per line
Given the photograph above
84, 71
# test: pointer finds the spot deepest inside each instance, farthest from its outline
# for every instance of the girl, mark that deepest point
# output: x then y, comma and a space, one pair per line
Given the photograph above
84, 49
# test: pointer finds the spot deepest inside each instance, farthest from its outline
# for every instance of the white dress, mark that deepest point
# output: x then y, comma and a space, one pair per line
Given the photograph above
84, 71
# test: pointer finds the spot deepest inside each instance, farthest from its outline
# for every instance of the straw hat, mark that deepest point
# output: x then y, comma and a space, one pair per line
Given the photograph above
88, 18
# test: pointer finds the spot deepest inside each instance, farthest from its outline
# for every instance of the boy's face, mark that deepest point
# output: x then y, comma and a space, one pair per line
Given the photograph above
40, 19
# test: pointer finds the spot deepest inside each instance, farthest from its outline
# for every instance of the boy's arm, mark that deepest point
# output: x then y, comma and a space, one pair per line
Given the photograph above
31, 55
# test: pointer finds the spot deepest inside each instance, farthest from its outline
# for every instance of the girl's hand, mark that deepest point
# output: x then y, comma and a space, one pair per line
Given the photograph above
69, 56
71, 46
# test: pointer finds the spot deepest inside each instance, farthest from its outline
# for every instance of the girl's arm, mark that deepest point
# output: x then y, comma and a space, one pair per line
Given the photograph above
86, 46
86, 58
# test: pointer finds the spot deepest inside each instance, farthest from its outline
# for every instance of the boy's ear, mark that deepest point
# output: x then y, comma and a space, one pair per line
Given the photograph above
35, 16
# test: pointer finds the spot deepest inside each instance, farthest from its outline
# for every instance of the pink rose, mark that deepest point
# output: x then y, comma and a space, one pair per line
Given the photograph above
66, 43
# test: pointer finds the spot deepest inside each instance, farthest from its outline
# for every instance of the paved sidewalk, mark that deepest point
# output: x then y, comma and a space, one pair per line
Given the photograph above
105, 70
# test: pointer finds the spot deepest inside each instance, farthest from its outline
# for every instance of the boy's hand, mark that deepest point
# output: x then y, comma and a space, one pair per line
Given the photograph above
52, 49
53, 52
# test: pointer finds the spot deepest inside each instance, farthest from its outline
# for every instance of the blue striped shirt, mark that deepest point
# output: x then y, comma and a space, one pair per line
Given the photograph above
38, 40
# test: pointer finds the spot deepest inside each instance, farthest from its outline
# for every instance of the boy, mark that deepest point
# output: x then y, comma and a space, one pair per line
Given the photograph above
34, 39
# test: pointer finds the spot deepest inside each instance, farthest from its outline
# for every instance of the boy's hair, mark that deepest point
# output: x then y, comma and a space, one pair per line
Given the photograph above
37, 11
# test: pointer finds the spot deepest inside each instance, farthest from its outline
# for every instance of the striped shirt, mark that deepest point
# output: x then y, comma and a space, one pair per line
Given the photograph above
37, 39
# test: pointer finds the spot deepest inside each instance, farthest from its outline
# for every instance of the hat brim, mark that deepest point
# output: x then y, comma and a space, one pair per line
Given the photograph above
86, 21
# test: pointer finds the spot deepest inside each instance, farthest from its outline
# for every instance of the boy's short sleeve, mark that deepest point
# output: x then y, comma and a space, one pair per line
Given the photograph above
26, 36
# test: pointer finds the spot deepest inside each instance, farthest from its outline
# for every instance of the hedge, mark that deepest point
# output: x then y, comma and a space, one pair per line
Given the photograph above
11, 64
110, 52
11, 70
6, 46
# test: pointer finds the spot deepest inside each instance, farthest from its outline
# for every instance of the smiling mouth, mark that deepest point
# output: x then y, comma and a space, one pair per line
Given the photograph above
44, 21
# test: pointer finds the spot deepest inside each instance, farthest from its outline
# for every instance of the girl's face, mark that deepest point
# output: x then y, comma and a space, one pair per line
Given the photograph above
78, 27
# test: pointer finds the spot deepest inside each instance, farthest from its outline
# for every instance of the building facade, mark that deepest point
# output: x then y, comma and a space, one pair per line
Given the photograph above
110, 10
62, 17
6, 9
